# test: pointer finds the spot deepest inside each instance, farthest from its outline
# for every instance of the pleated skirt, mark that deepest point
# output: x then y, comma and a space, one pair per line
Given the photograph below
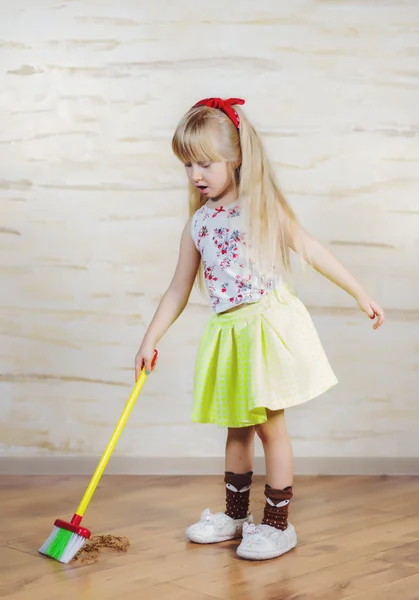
263, 356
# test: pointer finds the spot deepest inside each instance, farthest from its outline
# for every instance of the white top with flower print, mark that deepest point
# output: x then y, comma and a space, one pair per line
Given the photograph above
218, 237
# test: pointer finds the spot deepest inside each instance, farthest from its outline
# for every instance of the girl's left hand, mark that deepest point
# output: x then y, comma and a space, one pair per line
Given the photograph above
373, 310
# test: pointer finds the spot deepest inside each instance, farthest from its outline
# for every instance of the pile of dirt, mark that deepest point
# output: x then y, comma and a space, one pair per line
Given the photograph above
90, 551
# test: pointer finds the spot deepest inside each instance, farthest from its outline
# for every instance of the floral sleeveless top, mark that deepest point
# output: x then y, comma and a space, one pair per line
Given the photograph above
218, 237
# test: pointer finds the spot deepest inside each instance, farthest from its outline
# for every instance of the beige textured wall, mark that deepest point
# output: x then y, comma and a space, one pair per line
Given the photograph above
92, 204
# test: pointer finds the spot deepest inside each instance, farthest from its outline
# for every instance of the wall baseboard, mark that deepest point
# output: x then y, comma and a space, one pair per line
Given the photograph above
127, 465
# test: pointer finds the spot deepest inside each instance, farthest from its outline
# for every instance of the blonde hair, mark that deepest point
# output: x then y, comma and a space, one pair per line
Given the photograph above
208, 134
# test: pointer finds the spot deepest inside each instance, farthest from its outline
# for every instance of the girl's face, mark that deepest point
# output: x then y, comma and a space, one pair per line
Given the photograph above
213, 179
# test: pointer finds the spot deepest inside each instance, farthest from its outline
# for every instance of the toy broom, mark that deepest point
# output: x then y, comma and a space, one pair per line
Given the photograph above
67, 539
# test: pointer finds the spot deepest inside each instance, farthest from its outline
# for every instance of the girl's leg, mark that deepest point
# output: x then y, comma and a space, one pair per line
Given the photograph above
239, 470
279, 469
238, 477
240, 447
278, 450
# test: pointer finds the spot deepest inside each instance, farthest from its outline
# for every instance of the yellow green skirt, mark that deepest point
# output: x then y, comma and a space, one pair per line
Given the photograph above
263, 356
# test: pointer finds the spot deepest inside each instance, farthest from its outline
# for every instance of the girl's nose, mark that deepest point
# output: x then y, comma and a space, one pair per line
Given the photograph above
196, 174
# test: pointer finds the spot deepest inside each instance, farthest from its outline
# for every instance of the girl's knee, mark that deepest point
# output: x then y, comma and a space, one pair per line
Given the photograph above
243, 434
263, 433
274, 428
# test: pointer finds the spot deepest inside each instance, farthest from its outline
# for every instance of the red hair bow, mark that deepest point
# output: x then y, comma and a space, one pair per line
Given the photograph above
225, 106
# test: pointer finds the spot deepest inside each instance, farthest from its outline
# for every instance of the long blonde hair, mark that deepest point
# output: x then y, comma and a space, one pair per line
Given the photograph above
208, 134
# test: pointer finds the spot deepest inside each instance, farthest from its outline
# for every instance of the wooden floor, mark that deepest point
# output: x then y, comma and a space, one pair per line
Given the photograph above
358, 539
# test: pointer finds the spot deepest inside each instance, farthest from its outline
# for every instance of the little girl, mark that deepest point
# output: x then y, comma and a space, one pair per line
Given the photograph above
260, 352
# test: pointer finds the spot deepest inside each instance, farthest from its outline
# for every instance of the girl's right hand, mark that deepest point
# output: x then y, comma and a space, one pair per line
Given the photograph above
144, 358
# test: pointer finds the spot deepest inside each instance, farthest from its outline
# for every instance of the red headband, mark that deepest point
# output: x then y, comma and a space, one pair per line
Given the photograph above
225, 106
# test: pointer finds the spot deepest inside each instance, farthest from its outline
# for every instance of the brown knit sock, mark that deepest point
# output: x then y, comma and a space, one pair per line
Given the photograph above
274, 515
237, 494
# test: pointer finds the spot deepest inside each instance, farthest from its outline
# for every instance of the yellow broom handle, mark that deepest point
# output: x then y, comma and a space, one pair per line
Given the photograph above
112, 443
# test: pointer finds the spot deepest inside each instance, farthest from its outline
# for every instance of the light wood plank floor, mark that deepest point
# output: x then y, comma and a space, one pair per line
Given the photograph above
358, 539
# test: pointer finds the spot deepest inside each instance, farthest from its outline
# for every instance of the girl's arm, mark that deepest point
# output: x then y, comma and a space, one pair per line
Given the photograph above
324, 262
173, 301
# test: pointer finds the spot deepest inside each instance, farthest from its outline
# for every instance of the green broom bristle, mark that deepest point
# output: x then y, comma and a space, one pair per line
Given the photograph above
62, 545
59, 544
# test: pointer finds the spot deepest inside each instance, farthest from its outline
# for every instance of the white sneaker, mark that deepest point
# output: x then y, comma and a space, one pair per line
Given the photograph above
218, 527
264, 542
